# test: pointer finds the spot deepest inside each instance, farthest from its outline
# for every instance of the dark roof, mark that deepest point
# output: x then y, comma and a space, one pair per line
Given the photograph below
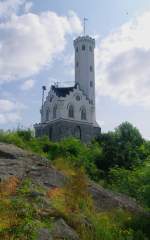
62, 92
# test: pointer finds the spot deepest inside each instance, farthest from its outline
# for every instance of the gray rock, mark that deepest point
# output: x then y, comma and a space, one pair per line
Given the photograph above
106, 200
44, 234
20, 163
62, 231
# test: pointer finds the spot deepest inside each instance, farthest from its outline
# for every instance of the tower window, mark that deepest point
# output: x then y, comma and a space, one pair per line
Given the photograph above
91, 69
77, 64
71, 112
83, 114
83, 47
91, 84
90, 48
77, 49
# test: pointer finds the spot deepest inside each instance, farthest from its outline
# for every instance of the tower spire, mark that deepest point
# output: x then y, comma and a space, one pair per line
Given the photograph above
84, 20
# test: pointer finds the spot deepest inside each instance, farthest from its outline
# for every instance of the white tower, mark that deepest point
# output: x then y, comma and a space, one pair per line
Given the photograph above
84, 66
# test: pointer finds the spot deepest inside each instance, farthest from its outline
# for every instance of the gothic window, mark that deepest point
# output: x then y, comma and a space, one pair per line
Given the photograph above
47, 115
77, 64
51, 98
71, 112
91, 84
76, 49
55, 112
90, 48
91, 69
78, 98
83, 114
83, 47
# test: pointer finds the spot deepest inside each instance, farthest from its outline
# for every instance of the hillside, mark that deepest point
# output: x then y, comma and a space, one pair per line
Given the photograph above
33, 185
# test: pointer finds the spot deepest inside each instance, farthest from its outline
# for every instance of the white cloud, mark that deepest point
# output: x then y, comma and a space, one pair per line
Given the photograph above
28, 84
8, 7
9, 118
10, 112
123, 63
29, 42
28, 6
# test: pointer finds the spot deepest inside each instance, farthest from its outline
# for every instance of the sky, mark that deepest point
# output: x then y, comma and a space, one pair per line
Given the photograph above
36, 48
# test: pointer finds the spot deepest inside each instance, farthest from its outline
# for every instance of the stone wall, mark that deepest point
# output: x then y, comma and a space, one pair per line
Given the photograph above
61, 129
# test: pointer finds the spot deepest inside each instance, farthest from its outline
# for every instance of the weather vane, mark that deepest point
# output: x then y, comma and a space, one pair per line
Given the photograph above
85, 19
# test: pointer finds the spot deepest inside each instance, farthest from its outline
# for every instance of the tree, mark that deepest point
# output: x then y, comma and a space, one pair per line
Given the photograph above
121, 148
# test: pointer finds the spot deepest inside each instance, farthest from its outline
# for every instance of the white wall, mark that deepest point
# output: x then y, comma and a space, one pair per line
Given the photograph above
63, 103
83, 60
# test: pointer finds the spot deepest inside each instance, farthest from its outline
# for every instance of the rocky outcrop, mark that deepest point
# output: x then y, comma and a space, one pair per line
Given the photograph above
107, 200
62, 231
59, 231
17, 162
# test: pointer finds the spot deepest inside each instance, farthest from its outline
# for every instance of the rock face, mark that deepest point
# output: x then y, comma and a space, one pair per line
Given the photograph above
17, 162
62, 231
107, 200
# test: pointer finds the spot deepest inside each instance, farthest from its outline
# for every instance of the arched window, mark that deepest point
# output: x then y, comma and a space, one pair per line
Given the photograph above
47, 115
76, 49
71, 111
83, 47
55, 112
83, 114
91, 69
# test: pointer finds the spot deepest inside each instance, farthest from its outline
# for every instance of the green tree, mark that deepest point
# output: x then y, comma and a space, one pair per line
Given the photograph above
121, 148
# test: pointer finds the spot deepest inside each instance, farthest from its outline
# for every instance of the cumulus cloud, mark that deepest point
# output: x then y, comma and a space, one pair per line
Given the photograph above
122, 63
30, 41
28, 84
8, 7
10, 112
28, 6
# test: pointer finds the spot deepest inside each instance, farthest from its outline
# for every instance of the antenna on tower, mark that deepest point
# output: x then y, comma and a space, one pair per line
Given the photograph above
84, 20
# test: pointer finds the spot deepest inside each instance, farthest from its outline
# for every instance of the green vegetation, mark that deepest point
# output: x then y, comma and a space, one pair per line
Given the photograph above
118, 160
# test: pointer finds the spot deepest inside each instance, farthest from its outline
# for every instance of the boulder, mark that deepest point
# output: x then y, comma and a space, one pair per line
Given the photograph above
62, 231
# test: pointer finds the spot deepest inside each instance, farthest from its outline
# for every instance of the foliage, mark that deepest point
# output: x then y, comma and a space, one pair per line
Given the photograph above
121, 148
19, 218
135, 183
75, 205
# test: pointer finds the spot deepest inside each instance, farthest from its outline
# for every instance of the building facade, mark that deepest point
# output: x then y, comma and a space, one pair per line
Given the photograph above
70, 111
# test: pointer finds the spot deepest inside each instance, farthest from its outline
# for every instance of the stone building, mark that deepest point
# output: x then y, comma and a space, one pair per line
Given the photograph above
70, 111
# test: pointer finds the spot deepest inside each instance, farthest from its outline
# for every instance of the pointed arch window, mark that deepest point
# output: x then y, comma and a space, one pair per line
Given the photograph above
83, 114
55, 112
71, 111
47, 114
83, 47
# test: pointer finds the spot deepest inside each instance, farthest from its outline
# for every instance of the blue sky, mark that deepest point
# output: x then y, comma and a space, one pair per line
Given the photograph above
36, 48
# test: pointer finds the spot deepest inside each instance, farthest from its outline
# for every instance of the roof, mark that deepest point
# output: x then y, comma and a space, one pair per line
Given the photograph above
63, 91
